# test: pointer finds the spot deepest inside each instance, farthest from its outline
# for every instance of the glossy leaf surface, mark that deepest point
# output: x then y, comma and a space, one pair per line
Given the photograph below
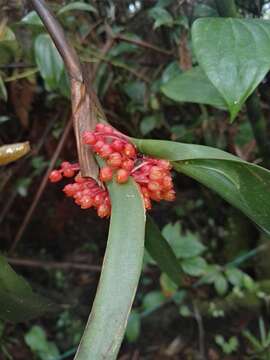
234, 54
13, 152
120, 275
17, 300
49, 62
193, 86
244, 185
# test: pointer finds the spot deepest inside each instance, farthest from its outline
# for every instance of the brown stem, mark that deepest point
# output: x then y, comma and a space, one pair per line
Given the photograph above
85, 105
143, 44
53, 264
56, 32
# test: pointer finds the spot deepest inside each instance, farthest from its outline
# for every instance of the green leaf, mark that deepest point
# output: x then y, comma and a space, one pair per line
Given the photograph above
161, 252
245, 186
133, 326
221, 284
33, 19
77, 5
184, 311
152, 300
170, 72
234, 275
49, 61
242, 184
193, 86
161, 16
135, 90
8, 45
194, 266
234, 54
176, 151
17, 300
149, 123
36, 339
168, 286
119, 277
184, 246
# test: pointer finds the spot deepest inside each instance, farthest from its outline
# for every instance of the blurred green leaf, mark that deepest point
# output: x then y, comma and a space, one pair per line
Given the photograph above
161, 16
22, 186
171, 71
204, 10
168, 286
194, 266
234, 275
133, 326
184, 246
49, 61
17, 301
184, 311
221, 284
193, 86
149, 123
77, 5
234, 54
36, 339
8, 45
4, 118
32, 18
153, 299
135, 90
248, 282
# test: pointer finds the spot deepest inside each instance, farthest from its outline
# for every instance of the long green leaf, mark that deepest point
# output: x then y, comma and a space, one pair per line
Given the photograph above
193, 86
160, 250
175, 151
244, 185
119, 277
77, 5
17, 300
234, 54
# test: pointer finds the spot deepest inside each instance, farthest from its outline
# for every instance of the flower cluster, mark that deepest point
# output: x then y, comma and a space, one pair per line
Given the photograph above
85, 191
122, 160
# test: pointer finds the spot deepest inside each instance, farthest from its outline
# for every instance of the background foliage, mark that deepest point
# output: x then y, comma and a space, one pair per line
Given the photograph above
151, 67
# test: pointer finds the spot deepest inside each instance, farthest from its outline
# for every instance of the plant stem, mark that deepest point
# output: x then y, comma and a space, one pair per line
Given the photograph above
227, 8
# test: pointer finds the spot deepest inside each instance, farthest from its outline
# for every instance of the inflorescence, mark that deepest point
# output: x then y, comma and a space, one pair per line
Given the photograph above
122, 160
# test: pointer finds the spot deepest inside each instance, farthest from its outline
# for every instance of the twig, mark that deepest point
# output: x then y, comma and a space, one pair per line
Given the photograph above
142, 43
52, 264
42, 186
17, 66
21, 75
104, 51
115, 63
198, 319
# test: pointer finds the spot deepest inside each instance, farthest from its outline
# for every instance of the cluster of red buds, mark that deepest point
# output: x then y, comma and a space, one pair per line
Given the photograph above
122, 160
